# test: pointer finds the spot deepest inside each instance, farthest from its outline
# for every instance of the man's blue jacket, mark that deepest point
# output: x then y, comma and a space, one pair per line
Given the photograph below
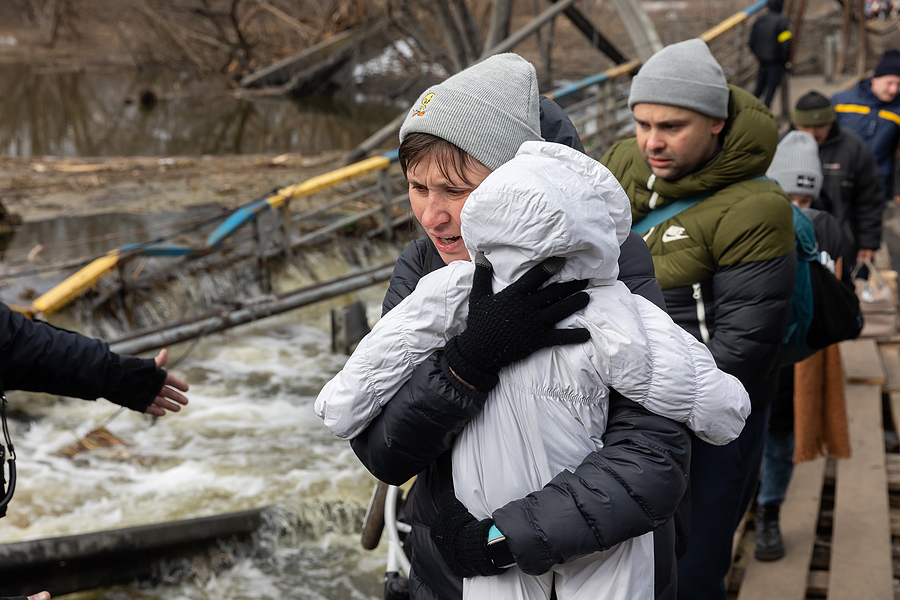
876, 122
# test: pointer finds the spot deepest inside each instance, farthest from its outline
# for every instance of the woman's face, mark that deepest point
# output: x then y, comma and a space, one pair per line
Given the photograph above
437, 199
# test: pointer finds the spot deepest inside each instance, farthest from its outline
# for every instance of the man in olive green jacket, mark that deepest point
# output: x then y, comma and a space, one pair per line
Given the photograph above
726, 264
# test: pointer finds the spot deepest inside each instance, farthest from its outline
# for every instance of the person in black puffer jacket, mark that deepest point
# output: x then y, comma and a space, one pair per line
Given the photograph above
39, 357
630, 487
770, 42
851, 189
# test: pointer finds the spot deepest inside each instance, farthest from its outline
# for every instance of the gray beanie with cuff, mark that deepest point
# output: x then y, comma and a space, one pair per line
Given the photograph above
685, 75
487, 110
796, 166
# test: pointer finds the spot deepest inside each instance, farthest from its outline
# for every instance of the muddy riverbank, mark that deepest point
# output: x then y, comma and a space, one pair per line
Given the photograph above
37, 188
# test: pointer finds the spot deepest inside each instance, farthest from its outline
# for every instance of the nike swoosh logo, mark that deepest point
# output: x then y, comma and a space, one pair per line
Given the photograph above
674, 233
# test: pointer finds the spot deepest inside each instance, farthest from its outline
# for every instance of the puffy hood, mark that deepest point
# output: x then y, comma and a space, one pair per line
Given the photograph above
748, 145
550, 200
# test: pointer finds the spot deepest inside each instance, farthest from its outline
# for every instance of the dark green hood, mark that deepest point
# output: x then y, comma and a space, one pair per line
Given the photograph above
749, 140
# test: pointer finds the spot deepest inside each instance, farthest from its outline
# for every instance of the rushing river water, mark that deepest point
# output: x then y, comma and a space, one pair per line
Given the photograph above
249, 438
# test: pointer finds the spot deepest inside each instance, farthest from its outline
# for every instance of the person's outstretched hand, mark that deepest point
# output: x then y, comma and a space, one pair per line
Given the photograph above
508, 326
169, 397
40, 596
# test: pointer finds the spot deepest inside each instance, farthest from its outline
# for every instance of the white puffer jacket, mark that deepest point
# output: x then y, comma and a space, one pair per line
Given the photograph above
548, 411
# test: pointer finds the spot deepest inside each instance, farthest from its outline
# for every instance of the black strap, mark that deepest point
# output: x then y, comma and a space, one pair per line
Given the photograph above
7, 493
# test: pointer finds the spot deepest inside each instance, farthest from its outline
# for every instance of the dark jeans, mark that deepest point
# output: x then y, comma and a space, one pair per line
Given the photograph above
723, 480
777, 468
767, 80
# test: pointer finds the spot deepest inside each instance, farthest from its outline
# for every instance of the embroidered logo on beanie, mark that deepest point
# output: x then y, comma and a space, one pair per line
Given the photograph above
806, 182
423, 106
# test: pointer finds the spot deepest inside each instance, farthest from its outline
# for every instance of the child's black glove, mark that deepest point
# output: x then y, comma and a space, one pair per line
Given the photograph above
511, 325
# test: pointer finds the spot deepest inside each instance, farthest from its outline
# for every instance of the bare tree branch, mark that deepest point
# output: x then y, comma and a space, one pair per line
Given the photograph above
452, 36
409, 25
468, 31
498, 30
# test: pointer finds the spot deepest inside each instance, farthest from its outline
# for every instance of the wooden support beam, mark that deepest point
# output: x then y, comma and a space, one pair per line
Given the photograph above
861, 41
597, 39
798, 26
845, 34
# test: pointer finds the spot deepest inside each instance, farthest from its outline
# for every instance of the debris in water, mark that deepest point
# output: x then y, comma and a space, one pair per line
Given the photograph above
98, 438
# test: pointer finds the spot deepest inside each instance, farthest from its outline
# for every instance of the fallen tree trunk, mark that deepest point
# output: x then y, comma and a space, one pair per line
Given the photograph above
73, 563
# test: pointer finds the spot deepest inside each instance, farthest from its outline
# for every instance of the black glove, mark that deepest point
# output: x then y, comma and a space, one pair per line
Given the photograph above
462, 539
133, 382
508, 326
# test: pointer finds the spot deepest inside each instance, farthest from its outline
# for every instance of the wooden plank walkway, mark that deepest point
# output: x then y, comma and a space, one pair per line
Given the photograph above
861, 543
852, 540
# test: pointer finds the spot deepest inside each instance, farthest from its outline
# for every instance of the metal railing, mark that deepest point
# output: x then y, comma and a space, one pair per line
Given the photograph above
371, 191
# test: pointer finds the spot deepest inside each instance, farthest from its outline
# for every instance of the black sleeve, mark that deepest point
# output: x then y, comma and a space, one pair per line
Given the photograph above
785, 46
867, 204
39, 357
752, 304
423, 419
419, 423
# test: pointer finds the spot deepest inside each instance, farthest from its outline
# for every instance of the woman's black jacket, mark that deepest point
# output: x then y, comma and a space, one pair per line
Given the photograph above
630, 487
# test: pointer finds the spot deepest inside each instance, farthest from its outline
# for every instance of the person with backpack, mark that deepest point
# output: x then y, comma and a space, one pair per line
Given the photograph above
726, 264
770, 42
812, 390
851, 188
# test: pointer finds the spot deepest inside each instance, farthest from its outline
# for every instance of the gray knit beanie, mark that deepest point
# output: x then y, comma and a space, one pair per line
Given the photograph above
796, 166
487, 110
684, 75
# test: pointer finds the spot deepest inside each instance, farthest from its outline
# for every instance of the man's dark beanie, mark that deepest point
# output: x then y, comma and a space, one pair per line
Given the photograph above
775, 5
889, 64
813, 110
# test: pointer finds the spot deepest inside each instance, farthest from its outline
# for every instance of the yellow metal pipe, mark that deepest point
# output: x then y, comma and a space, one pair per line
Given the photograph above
69, 289
326, 180
627, 67
722, 27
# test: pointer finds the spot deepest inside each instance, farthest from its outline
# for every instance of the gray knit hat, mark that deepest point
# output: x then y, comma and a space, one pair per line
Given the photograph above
796, 166
684, 75
487, 110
